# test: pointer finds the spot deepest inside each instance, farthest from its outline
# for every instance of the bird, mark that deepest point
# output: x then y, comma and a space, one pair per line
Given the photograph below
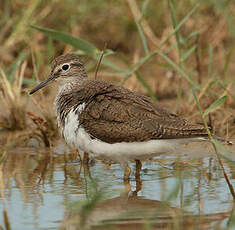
111, 122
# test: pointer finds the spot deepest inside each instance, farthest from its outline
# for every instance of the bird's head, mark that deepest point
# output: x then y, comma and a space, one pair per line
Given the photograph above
66, 68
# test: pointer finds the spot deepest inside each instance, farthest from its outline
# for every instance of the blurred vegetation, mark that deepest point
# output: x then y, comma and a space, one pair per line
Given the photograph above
164, 49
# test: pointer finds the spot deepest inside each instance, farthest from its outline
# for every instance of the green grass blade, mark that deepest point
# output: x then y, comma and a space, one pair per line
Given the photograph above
188, 53
137, 65
179, 25
178, 69
3, 157
114, 67
197, 102
216, 143
227, 62
214, 105
168, 60
173, 18
174, 23
10, 72
25, 18
191, 35
108, 52
144, 8
88, 48
142, 36
146, 86
174, 192
225, 148
147, 57
29, 81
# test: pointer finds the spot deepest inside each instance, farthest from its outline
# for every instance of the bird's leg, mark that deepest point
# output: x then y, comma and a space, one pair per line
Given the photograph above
85, 158
86, 166
138, 181
87, 172
138, 166
127, 173
80, 155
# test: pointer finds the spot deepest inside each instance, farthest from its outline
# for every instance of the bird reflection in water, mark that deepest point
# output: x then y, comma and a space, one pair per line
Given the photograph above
131, 211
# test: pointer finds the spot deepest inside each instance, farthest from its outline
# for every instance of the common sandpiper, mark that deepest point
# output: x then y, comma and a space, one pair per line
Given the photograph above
111, 122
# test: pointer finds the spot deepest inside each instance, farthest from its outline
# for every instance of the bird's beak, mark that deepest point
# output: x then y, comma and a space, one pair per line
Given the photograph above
43, 83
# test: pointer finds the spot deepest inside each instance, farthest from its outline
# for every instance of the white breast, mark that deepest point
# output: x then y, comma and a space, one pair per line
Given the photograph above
71, 126
77, 136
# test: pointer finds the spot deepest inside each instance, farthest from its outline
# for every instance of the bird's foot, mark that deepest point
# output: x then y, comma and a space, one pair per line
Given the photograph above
89, 161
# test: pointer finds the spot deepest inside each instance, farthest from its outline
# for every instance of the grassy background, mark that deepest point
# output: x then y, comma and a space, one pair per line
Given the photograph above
164, 49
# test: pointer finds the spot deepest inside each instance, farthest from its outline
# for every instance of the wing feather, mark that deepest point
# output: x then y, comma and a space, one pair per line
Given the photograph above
115, 114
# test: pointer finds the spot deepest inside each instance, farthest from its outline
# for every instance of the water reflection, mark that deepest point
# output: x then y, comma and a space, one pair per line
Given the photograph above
41, 189
137, 212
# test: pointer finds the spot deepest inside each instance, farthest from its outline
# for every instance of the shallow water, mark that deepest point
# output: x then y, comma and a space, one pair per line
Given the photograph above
41, 189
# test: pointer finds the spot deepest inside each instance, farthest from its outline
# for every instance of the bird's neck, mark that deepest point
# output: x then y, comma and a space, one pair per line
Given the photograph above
64, 100
67, 84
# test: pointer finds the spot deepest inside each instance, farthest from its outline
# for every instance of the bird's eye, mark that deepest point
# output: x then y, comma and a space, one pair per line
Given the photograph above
65, 67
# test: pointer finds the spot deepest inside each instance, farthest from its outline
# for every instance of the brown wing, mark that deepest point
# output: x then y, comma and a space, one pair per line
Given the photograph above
115, 114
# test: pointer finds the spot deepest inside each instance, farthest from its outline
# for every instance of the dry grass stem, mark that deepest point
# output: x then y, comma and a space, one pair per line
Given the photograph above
146, 28
100, 60
13, 115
